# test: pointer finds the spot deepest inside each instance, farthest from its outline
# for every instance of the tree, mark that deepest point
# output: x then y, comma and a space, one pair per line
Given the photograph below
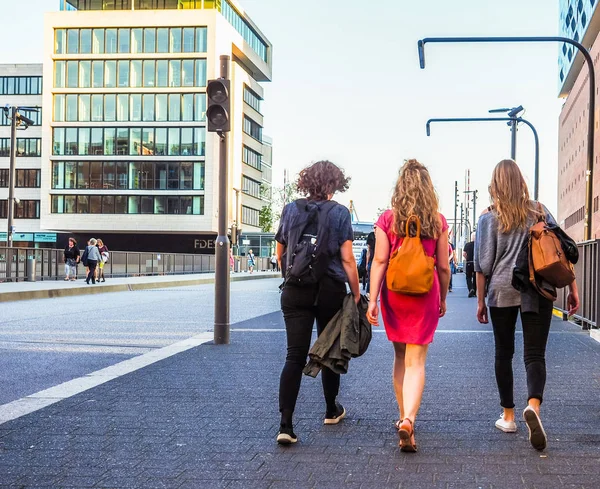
265, 218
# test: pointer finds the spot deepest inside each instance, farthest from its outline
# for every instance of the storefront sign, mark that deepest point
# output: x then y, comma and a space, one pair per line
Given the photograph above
204, 244
23, 237
45, 237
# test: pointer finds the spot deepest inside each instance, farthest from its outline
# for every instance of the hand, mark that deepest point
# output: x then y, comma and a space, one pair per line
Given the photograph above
482, 313
373, 313
442, 308
356, 298
573, 302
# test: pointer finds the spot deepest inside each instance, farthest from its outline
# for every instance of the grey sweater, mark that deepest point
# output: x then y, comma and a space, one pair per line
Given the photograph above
93, 253
496, 254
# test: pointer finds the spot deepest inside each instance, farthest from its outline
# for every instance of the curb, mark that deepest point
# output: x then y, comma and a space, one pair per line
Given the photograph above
24, 295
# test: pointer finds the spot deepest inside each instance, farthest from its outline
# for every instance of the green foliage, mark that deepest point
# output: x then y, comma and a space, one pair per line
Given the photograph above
265, 218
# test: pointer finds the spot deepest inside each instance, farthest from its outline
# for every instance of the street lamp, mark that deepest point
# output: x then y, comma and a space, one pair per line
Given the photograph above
21, 122
589, 198
536, 178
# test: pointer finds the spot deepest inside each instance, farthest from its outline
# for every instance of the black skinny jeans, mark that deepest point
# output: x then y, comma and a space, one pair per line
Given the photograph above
536, 327
301, 306
91, 271
470, 275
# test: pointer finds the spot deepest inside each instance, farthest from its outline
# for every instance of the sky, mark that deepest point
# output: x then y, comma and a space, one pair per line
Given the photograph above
347, 87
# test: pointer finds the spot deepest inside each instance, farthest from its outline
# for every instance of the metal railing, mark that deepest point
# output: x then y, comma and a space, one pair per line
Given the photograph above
587, 272
49, 264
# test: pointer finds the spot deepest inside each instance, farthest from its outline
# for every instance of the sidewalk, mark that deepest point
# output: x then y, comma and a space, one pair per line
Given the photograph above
207, 418
16, 291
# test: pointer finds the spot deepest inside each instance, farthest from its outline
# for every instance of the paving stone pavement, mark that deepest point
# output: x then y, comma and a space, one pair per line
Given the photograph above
207, 418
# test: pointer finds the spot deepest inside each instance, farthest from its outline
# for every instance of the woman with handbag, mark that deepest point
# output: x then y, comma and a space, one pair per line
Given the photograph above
410, 316
502, 232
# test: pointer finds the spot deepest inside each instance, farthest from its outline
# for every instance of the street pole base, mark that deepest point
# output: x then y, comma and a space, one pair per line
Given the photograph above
221, 336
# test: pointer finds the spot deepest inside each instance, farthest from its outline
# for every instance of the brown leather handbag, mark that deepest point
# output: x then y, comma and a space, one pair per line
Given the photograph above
410, 270
546, 256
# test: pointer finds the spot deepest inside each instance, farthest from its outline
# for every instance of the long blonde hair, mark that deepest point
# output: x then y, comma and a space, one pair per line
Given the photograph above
510, 196
414, 195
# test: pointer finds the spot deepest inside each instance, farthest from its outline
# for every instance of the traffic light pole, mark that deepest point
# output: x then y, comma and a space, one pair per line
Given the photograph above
221, 327
11, 181
455, 211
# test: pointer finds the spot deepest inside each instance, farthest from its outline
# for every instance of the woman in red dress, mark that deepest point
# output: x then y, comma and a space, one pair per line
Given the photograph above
410, 320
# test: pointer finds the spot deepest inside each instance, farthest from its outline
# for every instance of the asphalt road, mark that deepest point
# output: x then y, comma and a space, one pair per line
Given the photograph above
46, 342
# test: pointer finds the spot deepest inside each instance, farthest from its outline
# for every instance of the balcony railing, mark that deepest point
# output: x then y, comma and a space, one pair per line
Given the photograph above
587, 271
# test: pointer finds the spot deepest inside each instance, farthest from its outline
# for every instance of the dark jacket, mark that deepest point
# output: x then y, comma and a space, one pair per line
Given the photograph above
346, 336
71, 253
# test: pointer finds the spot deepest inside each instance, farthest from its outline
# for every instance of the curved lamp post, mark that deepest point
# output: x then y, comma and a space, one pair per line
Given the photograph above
536, 178
589, 196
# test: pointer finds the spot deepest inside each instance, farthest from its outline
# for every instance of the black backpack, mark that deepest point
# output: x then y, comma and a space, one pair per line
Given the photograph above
307, 254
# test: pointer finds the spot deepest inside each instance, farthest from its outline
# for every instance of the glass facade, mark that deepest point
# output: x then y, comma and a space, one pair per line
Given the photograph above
137, 73
147, 107
250, 216
133, 141
127, 204
575, 18
24, 178
20, 85
252, 128
26, 147
24, 209
252, 99
252, 158
128, 175
126, 40
251, 187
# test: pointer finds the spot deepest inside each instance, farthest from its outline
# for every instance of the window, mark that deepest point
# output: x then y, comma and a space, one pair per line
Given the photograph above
123, 66
149, 40
85, 41
25, 209
175, 40
26, 147
250, 187
59, 108
60, 41
24, 178
251, 37
110, 74
149, 67
250, 216
147, 141
85, 74
124, 40
72, 41
119, 204
252, 128
252, 99
200, 73
252, 158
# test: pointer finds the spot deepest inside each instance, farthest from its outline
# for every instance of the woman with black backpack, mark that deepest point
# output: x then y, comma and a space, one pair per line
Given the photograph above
314, 249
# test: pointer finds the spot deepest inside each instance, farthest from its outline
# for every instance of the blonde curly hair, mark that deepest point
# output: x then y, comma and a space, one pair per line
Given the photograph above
414, 194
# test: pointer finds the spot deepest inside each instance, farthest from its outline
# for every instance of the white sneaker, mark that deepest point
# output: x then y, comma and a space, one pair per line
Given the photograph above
537, 435
506, 426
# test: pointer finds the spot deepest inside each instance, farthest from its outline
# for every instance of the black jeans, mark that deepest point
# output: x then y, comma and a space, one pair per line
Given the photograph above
470, 274
536, 327
91, 271
301, 306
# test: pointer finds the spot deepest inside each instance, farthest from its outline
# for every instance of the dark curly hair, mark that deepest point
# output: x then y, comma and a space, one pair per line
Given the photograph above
322, 179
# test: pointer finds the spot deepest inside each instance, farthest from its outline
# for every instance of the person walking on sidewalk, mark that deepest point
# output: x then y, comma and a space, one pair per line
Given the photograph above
303, 302
468, 255
251, 261
103, 249
410, 320
452, 263
92, 258
501, 234
71, 257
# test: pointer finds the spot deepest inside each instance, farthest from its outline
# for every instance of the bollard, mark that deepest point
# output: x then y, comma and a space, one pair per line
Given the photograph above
30, 273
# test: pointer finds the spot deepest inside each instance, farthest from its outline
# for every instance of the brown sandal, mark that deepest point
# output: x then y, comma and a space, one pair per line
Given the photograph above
406, 432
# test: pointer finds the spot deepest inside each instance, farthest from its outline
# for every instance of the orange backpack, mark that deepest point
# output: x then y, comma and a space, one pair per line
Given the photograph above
410, 270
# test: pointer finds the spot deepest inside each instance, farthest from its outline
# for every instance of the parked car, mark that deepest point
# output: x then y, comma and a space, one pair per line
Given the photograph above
460, 268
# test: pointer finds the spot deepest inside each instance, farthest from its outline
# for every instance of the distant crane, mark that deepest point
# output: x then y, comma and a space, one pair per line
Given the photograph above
353, 213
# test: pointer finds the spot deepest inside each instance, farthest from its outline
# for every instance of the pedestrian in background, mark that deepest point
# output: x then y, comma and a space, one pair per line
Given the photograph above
103, 249
468, 255
410, 320
251, 261
71, 258
501, 234
452, 263
302, 304
274, 262
370, 255
92, 258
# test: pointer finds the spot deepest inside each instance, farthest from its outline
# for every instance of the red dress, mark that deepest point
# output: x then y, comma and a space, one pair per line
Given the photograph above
408, 318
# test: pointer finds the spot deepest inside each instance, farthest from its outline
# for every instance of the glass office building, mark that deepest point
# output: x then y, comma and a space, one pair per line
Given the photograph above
577, 22
126, 153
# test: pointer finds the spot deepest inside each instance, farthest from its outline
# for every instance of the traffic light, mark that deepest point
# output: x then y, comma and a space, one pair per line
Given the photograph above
218, 105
